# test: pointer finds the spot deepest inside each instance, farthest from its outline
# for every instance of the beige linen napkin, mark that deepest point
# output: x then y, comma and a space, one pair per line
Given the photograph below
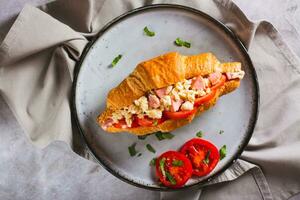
37, 60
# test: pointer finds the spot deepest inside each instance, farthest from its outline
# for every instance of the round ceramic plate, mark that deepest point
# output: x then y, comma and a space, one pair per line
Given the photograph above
235, 113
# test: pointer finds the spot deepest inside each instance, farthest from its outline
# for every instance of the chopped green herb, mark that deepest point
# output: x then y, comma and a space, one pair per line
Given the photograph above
162, 166
162, 136
155, 122
148, 32
116, 60
159, 135
132, 150
171, 178
142, 137
199, 134
167, 136
139, 154
206, 160
181, 43
221, 132
150, 148
223, 152
152, 162
177, 163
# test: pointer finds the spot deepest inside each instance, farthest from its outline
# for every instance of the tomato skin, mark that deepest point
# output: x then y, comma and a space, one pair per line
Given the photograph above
180, 173
120, 123
205, 98
196, 150
220, 83
179, 114
144, 121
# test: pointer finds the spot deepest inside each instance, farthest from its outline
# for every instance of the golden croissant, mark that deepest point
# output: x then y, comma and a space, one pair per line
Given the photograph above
167, 92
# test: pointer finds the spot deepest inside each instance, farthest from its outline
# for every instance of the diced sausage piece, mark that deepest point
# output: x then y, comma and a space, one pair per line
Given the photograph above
198, 83
175, 105
153, 101
161, 92
107, 124
215, 77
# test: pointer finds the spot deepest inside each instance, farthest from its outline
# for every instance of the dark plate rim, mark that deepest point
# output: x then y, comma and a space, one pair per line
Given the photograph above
219, 24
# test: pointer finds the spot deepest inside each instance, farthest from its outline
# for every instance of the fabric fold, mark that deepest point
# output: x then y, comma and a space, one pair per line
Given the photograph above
37, 60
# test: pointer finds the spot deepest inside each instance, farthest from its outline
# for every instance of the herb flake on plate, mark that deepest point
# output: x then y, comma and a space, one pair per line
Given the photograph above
161, 136
131, 149
199, 134
148, 32
179, 42
116, 60
152, 162
223, 152
150, 148
142, 137
221, 132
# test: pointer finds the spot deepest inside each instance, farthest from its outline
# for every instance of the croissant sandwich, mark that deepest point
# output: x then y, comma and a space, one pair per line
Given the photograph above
167, 92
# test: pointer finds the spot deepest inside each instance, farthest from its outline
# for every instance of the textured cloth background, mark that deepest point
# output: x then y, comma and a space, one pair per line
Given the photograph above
37, 59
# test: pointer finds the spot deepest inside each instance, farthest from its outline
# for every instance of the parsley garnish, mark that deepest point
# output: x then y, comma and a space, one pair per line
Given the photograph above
177, 163
162, 166
221, 132
171, 178
116, 60
148, 32
139, 154
206, 160
150, 148
132, 150
162, 136
142, 137
223, 152
181, 43
152, 162
199, 134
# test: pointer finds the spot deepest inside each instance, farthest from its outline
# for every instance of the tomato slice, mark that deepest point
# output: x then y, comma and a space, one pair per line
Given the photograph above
121, 123
203, 155
205, 98
173, 169
146, 121
220, 83
179, 114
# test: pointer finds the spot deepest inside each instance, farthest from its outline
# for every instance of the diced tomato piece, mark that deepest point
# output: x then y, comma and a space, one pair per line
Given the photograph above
204, 99
145, 121
179, 115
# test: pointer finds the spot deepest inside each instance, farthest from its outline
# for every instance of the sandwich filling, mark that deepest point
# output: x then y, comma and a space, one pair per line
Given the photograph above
176, 101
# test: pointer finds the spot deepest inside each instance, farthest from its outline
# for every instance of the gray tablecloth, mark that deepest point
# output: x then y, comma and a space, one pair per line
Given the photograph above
37, 59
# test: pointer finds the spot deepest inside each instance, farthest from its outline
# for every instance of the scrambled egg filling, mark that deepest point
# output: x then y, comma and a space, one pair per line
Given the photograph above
179, 92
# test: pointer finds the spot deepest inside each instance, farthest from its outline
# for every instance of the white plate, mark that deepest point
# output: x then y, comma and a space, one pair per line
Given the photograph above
235, 113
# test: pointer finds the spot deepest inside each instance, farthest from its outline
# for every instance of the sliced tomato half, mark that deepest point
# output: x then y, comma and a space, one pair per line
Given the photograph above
220, 83
203, 155
204, 99
179, 114
173, 169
